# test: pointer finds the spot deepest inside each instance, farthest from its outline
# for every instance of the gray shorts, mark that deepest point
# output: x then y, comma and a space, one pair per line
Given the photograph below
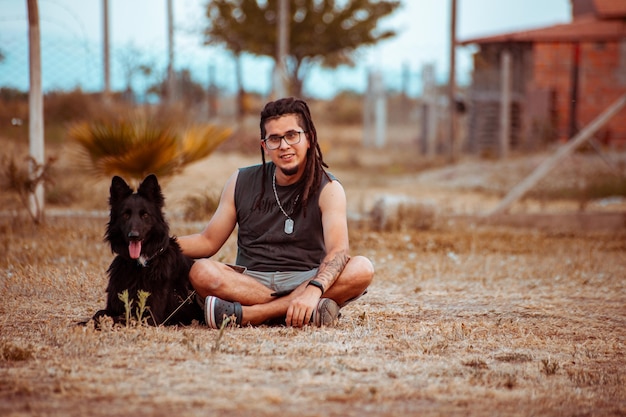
280, 281
285, 281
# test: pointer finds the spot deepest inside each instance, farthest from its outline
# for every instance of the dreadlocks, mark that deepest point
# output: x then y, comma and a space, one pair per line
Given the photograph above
315, 164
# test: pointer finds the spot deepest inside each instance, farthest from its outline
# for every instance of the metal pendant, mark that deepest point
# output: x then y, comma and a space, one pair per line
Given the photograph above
289, 226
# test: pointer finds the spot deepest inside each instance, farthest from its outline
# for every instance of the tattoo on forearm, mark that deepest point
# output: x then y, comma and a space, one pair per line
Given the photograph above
330, 269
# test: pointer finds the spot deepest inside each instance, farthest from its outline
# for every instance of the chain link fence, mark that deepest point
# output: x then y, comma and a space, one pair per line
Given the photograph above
72, 60
206, 76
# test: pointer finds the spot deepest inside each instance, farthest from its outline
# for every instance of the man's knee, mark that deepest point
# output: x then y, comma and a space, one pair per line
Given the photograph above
363, 268
205, 276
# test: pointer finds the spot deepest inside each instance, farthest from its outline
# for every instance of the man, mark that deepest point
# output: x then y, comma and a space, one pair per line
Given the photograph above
293, 259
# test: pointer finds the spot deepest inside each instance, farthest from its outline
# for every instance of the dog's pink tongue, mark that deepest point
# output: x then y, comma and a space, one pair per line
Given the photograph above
134, 249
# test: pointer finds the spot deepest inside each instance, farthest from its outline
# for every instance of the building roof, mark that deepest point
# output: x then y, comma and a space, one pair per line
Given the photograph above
583, 29
610, 9
607, 23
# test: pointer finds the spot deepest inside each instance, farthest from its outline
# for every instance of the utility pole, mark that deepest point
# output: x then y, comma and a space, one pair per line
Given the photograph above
282, 50
171, 83
452, 85
105, 50
35, 113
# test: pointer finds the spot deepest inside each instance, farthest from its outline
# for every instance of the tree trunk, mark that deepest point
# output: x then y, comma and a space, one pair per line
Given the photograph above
240, 111
297, 77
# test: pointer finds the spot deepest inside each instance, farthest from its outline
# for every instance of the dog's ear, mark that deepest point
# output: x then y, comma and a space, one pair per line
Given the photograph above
151, 190
119, 190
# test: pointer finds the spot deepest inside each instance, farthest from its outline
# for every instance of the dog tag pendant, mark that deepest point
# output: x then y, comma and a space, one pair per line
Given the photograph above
289, 226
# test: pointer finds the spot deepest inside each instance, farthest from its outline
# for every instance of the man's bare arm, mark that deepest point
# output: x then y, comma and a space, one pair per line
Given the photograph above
331, 268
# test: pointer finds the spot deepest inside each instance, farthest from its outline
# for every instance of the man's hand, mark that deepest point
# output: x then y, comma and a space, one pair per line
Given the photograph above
302, 307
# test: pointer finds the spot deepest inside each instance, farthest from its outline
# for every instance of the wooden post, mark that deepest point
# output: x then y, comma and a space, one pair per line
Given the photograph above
452, 86
505, 103
430, 120
519, 190
35, 112
375, 111
573, 103
406, 81
380, 110
368, 113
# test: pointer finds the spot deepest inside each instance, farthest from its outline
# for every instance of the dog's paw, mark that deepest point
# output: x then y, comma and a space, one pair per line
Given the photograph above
102, 321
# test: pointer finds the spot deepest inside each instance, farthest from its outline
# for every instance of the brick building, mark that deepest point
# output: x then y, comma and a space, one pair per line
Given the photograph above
561, 78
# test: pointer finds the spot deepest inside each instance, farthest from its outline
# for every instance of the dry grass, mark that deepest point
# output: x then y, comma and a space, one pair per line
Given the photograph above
461, 320
465, 321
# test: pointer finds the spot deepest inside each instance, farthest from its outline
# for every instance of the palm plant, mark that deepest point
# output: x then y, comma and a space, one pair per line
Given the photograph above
137, 146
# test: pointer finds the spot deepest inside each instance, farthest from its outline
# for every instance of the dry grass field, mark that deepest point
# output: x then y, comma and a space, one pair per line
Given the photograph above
463, 318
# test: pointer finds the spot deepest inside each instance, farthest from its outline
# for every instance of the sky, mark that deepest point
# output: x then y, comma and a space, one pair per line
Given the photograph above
423, 28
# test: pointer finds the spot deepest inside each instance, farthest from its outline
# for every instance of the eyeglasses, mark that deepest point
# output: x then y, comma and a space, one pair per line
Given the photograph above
291, 138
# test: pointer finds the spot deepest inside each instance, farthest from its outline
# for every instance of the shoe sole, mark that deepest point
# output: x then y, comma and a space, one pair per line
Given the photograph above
209, 316
215, 320
327, 313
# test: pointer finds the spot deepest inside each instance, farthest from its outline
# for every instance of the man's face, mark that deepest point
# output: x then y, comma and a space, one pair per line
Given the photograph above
289, 158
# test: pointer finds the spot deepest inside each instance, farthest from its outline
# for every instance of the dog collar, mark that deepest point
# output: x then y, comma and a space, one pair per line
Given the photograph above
143, 261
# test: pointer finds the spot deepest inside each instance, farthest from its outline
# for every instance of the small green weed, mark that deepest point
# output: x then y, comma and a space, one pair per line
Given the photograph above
140, 311
142, 307
227, 321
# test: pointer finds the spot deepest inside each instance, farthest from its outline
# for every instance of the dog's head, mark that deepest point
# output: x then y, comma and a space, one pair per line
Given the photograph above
136, 225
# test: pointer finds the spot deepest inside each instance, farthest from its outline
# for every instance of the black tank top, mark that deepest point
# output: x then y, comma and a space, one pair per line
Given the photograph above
262, 244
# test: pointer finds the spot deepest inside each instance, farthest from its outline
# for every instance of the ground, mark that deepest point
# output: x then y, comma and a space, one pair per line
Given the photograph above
466, 317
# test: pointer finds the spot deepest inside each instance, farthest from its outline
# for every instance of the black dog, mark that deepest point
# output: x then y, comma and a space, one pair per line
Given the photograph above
148, 259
